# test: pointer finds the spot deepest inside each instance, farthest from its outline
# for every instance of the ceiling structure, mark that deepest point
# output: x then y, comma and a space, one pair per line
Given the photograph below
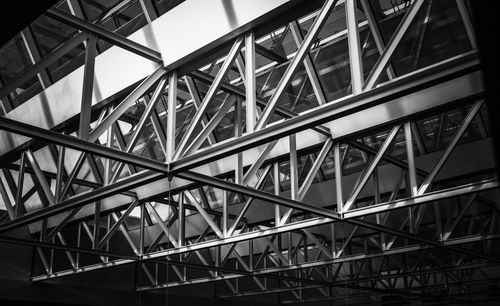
277, 151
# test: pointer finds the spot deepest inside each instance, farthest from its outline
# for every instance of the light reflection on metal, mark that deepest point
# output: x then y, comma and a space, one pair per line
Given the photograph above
355, 141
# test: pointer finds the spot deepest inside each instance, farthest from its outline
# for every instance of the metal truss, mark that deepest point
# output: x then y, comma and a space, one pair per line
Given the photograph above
324, 204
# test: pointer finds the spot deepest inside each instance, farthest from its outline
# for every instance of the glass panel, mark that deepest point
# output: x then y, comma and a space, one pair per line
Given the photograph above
14, 59
438, 130
183, 118
67, 63
440, 35
50, 34
225, 129
332, 64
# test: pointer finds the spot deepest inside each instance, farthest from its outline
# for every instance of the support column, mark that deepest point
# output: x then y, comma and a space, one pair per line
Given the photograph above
354, 47
88, 87
171, 115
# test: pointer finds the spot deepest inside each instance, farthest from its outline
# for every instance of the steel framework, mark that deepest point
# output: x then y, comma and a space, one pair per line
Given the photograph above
355, 194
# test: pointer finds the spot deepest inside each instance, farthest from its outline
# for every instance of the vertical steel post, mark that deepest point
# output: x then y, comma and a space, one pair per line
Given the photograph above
224, 212
338, 176
141, 230
97, 213
411, 159
294, 173
356, 63
88, 86
250, 83
20, 184
238, 172
171, 115
181, 219
60, 173
276, 176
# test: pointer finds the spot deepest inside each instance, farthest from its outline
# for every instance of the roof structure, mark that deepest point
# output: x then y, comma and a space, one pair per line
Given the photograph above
260, 152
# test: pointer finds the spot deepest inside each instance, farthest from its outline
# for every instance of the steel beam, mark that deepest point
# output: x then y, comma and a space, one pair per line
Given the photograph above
221, 74
102, 33
250, 83
52, 246
79, 144
396, 38
88, 87
43, 64
149, 10
85, 198
126, 103
311, 71
355, 56
148, 112
446, 154
171, 116
294, 64
35, 57
218, 183
331, 111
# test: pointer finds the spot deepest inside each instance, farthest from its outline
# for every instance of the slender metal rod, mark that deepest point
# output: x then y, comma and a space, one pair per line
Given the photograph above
304, 188
20, 185
326, 113
200, 178
294, 64
60, 172
164, 227
117, 224
199, 139
171, 115
469, 28
250, 83
396, 38
356, 63
338, 176
446, 154
221, 74
182, 220
47, 192
411, 159
149, 10
371, 167
204, 214
47, 60
311, 71
79, 144
85, 198
109, 36
126, 103
246, 206
140, 126
376, 32
88, 87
